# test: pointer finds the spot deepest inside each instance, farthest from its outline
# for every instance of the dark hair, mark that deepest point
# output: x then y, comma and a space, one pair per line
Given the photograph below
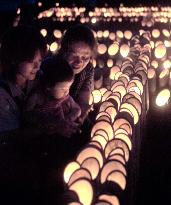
19, 44
78, 33
55, 70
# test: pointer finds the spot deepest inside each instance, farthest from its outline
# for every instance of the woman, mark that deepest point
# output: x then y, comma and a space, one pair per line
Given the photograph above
78, 47
21, 53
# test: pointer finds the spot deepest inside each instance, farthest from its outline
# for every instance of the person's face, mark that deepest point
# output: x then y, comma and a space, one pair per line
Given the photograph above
28, 69
78, 56
61, 89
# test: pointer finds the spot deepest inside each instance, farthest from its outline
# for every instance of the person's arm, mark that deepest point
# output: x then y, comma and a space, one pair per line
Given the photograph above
85, 92
75, 110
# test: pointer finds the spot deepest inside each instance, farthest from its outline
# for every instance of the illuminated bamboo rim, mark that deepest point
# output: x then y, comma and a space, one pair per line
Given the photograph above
102, 113
117, 151
43, 31
121, 89
122, 123
103, 90
127, 66
135, 102
75, 203
84, 190
113, 49
117, 157
112, 111
109, 167
57, 33
164, 73
106, 126
69, 169
117, 143
128, 107
118, 178
132, 86
106, 95
115, 84
151, 73
117, 75
155, 33
79, 174
160, 51
105, 105
128, 34
95, 144
100, 132
121, 131
125, 138
92, 165
113, 72
163, 97
124, 50
143, 75
112, 199
101, 49
116, 98
97, 96
100, 139
104, 118
88, 152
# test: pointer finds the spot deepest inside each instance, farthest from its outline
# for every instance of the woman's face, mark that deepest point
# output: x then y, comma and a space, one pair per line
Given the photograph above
61, 89
78, 56
28, 69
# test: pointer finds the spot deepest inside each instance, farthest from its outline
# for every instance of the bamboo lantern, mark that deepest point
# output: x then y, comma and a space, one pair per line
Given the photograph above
135, 102
92, 165
102, 113
122, 123
80, 173
100, 139
53, 47
110, 167
75, 203
164, 78
105, 105
116, 97
136, 95
155, 64
115, 84
117, 157
95, 144
106, 95
162, 97
101, 49
43, 32
160, 51
152, 79
106, 126
69, 169
118, 178
90, 151
112, 36
121, 89
121, 131
119, 34
100, 132
57, 33
97, 96
166, 33
129, 108
167, 64
84, 190
109, 63
99, 34
113, 71
117, 143
112, 199
155, 33
125, 138
128, 34
113, 49
112, 112
124, 50
143, 75
117, 151
103, 90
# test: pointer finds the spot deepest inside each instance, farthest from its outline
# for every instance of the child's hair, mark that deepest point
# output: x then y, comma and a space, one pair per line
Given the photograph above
56, 70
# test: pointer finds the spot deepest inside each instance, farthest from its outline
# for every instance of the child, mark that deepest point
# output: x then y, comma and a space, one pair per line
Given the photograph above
51, 108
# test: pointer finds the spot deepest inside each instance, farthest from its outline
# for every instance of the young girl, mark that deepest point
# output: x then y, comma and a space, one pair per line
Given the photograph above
51, 108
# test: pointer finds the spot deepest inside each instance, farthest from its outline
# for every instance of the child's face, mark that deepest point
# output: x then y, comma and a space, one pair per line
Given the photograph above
61, 89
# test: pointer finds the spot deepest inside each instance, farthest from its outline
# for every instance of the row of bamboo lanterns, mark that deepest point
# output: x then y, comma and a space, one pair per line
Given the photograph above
103, 161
